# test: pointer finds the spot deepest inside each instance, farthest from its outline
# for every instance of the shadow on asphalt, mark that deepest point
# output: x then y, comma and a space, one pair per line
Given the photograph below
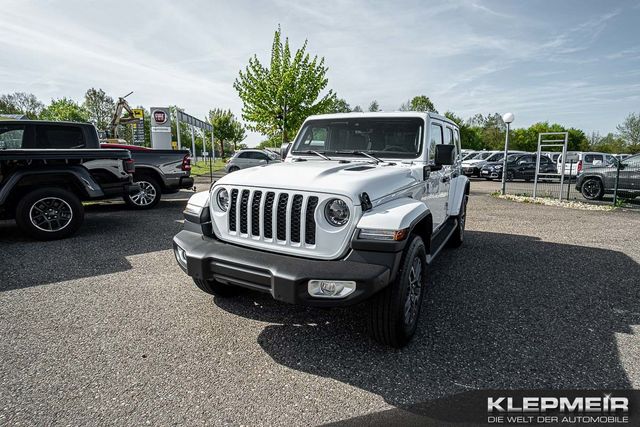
110, 233
504, 311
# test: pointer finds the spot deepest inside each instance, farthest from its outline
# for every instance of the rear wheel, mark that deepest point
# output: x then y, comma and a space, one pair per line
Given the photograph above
49, 213
233, 169
216, 288
394, 311
148, 196
592, 189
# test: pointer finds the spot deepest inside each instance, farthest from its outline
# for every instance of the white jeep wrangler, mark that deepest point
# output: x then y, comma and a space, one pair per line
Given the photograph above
357, 211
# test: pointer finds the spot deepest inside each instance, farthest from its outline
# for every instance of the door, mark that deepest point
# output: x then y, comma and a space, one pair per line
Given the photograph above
630, 175
438, 182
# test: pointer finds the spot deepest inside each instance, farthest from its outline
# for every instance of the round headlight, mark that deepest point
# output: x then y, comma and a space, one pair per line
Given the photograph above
223, 199
336, 212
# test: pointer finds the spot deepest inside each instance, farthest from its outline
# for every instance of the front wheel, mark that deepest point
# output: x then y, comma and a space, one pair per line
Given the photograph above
394, 311
457, 238
49, 213
592, 189
147, 197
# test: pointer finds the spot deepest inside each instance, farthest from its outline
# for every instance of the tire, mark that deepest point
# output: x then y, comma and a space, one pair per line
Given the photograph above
394, 311
233, 169
49, 213
148, 196
592, 189
510, 176
216, 288
457, 238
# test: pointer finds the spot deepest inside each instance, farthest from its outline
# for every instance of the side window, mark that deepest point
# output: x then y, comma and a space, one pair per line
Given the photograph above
11, 136
244, 155
436, 138
59, 137
456, 140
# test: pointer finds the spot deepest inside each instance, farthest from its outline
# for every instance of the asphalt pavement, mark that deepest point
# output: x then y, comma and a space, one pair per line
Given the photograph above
104, 328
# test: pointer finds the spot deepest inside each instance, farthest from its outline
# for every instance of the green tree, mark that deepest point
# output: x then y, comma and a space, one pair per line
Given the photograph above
374, 106
357, 109
469, 137
100, 106
226, 128
279, 98
630, 132
65, 109
21, 103
341, 106
419, 103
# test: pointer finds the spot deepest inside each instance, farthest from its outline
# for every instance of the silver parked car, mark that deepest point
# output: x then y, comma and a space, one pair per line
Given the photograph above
249, 158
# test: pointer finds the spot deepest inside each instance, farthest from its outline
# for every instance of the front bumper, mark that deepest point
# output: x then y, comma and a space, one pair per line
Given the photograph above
285, 277
491, 173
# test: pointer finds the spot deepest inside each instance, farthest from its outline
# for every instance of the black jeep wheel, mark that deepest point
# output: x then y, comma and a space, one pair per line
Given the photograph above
148, 196
592, 189
49, 213
216, 288
457, 238
394, 311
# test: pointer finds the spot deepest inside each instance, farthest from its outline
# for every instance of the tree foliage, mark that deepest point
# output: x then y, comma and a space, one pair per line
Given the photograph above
21, 103
419, 103
340, 106
374, 106
226, 129
630, 132
65, 109
279, 98
100, 107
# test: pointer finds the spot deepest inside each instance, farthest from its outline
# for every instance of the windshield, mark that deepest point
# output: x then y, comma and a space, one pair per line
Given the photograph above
469, 156
392, 137
513, 157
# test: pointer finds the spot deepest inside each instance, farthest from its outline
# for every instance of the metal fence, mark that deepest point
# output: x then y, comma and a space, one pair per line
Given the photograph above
617, 183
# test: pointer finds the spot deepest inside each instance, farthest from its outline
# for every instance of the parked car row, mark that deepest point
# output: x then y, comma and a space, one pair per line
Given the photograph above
48, 168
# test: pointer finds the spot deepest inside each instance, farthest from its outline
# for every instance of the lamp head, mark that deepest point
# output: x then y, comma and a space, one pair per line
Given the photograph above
508, 117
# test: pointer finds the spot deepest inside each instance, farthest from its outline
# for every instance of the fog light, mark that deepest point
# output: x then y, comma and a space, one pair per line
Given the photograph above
181, 257
331, 288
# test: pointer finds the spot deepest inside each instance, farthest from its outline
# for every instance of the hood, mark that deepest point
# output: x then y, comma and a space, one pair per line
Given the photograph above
499, 162
473, 162
320, 176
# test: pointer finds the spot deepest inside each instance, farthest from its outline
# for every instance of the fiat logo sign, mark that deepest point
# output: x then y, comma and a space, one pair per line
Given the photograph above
160, 117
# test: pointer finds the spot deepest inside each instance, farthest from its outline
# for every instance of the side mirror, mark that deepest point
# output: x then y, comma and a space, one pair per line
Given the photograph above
444, 155
284, 149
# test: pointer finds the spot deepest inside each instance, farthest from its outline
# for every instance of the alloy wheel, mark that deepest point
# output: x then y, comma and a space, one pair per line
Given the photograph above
146, 195
411, 307
50, 214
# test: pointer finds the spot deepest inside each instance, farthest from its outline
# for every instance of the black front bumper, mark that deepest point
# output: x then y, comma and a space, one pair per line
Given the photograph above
285, 277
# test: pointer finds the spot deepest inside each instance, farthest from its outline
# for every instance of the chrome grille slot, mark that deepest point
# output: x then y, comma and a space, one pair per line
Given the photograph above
296, 208
268, 215
255, 213
310, 221
232, 210
281, 220
244, 202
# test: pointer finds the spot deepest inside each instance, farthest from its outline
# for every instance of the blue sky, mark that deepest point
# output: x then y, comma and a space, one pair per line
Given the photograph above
572, 62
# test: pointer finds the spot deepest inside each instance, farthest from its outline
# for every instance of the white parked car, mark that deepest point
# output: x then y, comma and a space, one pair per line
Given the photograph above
357, 211
249, 158
579, 161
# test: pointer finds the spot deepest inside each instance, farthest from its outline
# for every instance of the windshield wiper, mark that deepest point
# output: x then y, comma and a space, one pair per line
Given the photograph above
362, 153
317, 153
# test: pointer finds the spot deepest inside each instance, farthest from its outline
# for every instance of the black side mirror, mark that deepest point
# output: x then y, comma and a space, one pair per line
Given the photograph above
444, 155
284, 149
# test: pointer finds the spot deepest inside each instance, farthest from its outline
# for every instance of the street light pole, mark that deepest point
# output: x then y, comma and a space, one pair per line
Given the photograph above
508, 119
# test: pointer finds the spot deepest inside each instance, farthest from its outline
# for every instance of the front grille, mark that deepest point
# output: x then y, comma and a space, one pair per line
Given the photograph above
272, 216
